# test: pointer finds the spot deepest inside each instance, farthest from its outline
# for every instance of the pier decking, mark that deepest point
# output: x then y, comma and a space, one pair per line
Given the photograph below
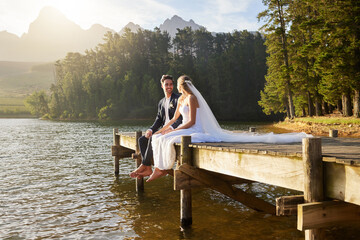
323, 168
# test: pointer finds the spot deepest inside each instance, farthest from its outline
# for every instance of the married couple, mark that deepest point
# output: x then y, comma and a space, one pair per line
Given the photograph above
188, 114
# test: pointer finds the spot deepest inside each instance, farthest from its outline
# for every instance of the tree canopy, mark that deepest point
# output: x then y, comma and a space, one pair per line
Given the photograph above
121, 78
313, 49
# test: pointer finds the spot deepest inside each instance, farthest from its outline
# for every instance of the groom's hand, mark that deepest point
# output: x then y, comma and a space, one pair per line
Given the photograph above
148, 133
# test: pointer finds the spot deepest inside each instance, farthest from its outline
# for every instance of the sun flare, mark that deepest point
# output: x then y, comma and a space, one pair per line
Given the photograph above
79, 11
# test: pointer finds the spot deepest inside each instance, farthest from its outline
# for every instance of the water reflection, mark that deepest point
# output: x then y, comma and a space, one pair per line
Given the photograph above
57, 182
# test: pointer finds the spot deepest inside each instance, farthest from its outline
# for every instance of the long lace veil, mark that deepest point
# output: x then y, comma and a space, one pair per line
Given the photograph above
211, 127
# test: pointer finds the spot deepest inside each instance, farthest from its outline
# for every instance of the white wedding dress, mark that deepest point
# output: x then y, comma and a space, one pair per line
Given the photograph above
163, 145
207, 129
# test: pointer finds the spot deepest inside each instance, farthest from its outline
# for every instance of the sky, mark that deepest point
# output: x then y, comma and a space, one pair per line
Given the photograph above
215, 15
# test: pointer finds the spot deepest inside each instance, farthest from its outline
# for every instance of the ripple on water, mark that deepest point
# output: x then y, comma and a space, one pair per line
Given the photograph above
56, 182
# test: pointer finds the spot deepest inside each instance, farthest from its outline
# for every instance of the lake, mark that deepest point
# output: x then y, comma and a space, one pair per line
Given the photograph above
57, 182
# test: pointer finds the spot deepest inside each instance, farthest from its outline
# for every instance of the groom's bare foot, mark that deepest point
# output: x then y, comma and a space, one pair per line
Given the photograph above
146, 172
136, 172
157, 174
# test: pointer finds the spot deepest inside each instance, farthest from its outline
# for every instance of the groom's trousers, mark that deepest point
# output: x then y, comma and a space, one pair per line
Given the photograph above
146, 150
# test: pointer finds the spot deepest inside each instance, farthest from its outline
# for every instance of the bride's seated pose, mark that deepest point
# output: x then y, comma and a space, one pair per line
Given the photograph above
200, 123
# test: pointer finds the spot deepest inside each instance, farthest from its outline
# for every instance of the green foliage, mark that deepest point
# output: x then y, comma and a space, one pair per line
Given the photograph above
37, 103
120, 78
314, 55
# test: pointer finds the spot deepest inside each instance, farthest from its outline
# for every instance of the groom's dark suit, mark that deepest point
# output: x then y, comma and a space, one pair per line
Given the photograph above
145, 143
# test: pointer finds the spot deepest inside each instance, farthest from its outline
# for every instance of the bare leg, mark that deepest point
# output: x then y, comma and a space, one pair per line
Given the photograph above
157, 174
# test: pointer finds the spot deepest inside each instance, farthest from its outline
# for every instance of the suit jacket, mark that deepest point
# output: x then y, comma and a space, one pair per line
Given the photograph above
161, 117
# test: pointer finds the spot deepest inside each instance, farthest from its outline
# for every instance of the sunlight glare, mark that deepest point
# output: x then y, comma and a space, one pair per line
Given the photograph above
82, 12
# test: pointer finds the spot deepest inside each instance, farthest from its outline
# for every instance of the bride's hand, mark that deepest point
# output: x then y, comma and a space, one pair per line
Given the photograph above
167, 131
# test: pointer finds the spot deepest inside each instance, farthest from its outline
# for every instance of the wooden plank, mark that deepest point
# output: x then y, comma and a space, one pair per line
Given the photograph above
226, 188
283, 171
128, 141
287, 205
342, 182
121, 151
229, 179
326, 214
183, 181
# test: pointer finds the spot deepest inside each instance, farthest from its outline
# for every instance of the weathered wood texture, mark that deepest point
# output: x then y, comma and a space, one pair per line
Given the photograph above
227, 189
185, 195
326, 214
288, 205
342, 182
121, 152
313, 180
333, 133
280, 164
116, 139
139, 181
313, 168
276, 170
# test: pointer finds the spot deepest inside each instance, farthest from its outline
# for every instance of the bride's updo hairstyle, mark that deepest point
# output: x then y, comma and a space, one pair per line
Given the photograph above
183, 82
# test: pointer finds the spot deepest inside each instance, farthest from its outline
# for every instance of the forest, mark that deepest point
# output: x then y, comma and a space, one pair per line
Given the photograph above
120, 79
314, 57
305, 62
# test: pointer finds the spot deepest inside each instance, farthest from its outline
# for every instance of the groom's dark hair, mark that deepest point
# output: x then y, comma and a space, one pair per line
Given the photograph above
165, 77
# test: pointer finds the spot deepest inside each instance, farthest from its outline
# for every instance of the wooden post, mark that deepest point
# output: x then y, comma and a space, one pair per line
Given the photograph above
252, 129
116, 139
333, 133
185, 195
313, 179
139, 181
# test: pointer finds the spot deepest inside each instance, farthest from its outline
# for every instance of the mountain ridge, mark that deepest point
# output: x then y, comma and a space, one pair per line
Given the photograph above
52, 35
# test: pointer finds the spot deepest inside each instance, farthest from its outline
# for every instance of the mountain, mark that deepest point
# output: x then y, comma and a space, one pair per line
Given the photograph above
49, 38
171, 25
132, 26
51, 35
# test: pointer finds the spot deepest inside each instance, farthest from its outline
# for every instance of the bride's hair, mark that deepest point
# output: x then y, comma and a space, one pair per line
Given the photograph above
183, 82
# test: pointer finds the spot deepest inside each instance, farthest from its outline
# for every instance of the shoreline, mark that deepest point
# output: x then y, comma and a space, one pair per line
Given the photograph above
351, 130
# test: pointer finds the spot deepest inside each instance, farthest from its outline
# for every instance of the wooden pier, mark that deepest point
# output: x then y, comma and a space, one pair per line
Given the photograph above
326, 170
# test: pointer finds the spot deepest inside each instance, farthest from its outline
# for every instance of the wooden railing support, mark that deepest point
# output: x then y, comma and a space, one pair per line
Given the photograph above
185, 195
313, 179
139, 181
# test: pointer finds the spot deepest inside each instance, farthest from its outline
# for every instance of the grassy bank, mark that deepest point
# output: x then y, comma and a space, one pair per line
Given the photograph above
346, 126
13, 107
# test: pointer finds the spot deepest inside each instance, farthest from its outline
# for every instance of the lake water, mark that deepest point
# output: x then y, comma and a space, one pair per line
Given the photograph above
57, 182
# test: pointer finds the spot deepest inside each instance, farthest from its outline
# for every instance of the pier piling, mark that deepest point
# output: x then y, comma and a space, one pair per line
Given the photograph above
139, 181
116, 139
300, 167
185, 195
252, 129
313, 179
333, 133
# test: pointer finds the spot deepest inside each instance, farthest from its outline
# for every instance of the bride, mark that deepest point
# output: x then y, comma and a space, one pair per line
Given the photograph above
200, 123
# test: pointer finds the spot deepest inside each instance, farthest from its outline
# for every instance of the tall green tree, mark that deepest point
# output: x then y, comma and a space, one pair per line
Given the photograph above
276, 29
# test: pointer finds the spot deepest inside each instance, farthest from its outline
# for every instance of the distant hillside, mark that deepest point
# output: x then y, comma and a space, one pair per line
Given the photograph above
52, 35
49, 38
18, 79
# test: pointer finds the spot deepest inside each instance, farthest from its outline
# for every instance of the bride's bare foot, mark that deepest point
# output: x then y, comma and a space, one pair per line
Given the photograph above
140, 169
157, 174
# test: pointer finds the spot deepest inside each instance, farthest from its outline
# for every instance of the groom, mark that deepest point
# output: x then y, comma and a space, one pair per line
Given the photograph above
166, 110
